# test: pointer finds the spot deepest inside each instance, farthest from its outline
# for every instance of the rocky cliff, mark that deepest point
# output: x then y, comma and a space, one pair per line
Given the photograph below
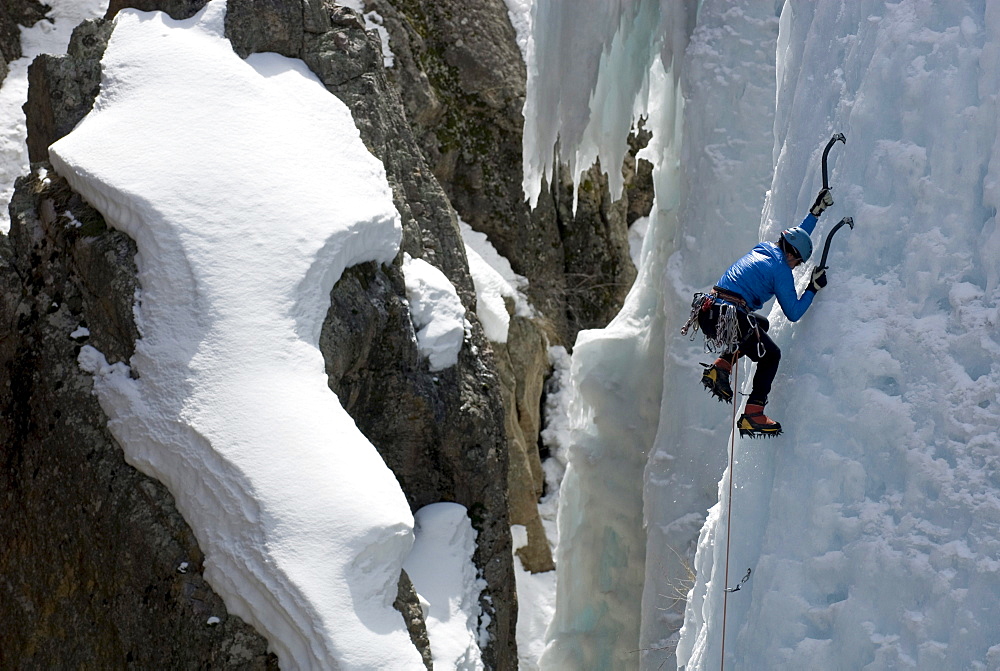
16, 13
461, 78
462, 81
448, 444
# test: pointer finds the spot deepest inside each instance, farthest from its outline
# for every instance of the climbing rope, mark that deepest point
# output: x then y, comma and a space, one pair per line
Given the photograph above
729, 515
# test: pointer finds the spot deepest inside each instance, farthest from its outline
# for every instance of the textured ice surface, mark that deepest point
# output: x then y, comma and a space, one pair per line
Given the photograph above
871, 525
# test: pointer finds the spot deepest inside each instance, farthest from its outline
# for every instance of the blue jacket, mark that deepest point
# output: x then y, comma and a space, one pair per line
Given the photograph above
764, 273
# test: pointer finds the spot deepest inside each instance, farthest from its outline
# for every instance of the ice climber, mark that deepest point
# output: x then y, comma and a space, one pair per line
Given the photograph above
727, 318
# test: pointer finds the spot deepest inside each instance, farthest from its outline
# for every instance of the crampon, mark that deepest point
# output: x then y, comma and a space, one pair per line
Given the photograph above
716, 380
755, 424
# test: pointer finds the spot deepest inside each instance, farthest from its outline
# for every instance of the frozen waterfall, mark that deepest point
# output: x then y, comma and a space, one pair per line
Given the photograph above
871, 525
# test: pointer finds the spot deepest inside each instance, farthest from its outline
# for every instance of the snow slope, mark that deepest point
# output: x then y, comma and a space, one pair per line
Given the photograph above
241, 237
871, 525
442, 572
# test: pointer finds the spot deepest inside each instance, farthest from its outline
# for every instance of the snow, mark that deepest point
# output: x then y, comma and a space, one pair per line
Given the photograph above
48, 36
491, 290
436, 311
535, 604
374, 21
441, 569
871, 525
495, 283
536, 592
240, 239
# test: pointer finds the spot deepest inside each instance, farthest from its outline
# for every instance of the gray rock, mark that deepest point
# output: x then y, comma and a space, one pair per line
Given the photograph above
408, 604
598, 267
177, 9
99, 569
62, 89
462, 82
442, 433
14, 13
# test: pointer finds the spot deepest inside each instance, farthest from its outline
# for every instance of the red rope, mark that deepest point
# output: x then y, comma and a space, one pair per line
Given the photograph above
729, 512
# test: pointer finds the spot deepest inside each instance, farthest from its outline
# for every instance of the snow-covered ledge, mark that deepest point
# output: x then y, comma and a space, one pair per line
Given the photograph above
248, 190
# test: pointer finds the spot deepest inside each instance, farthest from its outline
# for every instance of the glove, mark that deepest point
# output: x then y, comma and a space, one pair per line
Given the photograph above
818, 280
823, 200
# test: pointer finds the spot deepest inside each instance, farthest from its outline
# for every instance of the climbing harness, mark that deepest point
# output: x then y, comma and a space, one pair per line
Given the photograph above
724, 335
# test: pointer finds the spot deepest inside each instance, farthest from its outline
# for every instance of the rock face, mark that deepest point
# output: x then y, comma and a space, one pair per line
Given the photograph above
446, 122
63, 89
462, 80
524, 363
100, 570
16, 13
442, 433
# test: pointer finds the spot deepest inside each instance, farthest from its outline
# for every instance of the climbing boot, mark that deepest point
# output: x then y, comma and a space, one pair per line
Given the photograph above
753, 422
716, 380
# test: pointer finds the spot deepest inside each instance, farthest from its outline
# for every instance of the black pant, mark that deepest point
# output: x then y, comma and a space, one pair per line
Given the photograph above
757, 346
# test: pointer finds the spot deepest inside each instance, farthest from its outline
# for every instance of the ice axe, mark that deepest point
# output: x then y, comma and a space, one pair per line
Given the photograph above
826, 152
826, 185
829, 238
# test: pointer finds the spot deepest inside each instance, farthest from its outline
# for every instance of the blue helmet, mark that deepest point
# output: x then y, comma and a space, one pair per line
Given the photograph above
800, 241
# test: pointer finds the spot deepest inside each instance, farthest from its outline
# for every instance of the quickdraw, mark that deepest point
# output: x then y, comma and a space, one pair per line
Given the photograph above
737, 588
761, 350
727, 330
692, 322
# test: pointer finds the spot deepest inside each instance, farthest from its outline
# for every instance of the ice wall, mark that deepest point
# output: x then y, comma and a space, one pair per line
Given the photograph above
588, 68
241, 237
728, 78
872, 524
617, 371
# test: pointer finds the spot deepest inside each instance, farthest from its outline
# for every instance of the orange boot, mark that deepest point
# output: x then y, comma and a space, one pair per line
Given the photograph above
753, 422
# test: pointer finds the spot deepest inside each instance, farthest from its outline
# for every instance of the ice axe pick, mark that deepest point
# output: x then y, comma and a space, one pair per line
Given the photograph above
826, 152
829, 238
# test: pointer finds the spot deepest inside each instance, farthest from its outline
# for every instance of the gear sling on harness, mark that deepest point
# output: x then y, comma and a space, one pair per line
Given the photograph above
719, 315
731, 330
